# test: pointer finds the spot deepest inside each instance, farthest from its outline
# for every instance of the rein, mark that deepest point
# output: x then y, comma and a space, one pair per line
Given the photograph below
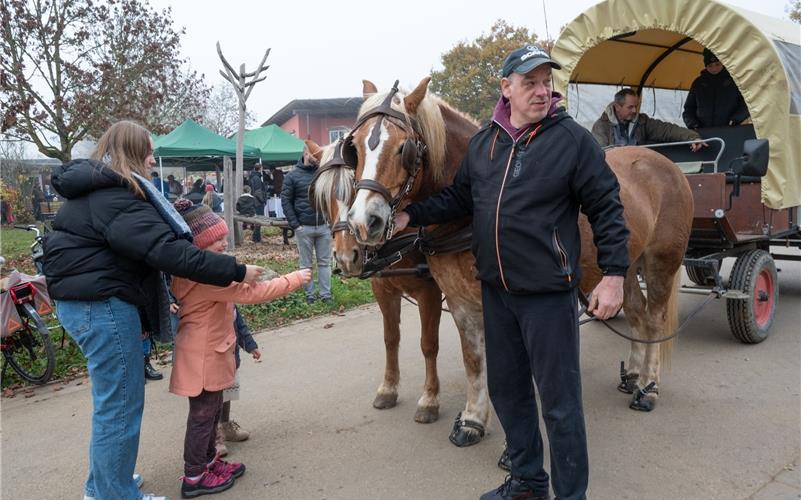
585, 302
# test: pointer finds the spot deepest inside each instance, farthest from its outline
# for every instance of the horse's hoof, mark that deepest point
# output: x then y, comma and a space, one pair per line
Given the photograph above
505, 463
385, 401
642, 404
426, 414
466, 433
628, 386
628, 381
645, 399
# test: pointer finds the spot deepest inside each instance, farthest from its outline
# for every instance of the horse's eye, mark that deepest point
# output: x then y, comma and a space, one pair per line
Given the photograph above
400, 150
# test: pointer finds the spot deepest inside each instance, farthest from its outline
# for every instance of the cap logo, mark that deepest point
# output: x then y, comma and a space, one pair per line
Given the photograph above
533, 52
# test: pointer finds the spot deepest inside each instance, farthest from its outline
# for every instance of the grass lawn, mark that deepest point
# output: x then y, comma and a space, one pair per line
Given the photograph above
271, 253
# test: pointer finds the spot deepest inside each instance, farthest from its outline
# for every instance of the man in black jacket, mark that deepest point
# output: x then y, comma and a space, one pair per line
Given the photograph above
714, 99
257, 190
524, 178
311, 229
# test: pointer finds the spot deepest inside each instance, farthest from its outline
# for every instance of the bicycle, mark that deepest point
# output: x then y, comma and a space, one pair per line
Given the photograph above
29, 348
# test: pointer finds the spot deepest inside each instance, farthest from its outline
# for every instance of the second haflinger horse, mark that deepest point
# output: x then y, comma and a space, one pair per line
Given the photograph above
406, 147
331, 192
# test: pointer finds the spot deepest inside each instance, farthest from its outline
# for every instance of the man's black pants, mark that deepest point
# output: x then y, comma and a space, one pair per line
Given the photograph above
538, 335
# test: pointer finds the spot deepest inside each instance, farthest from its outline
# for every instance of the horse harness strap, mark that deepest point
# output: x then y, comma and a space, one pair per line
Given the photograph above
440, 241
444, 240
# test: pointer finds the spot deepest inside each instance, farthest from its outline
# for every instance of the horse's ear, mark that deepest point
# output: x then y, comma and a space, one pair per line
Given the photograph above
314, 149
413, 100
368, 88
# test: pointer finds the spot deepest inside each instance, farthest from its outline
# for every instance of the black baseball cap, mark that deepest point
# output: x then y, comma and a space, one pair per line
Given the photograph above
525, 59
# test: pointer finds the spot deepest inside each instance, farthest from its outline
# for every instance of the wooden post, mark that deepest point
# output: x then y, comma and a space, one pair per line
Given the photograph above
242, 88
229, 201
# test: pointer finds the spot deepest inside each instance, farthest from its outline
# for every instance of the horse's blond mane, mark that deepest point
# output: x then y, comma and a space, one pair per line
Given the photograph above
336, 180
429, 117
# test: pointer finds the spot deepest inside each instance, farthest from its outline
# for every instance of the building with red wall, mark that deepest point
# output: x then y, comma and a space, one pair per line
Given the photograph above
321, 120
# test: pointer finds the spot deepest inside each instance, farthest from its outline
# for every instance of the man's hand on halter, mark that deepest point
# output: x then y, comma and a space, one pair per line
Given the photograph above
401, 221
607, 298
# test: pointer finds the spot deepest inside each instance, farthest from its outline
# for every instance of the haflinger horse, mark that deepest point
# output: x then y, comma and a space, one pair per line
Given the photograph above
331, 193
393, 128
434, 152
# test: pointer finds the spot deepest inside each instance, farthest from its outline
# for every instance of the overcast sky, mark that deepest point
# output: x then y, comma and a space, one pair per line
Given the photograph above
325, 48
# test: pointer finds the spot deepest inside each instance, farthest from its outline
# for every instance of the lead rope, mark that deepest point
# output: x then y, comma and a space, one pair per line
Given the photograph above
585, 300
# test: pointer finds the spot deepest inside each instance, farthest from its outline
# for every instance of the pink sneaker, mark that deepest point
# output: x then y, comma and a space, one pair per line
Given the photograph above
208, 483
222, 468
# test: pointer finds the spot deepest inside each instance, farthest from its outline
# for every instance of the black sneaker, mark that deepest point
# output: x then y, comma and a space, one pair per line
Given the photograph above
513, 489
151, 373
327, 301
310, 300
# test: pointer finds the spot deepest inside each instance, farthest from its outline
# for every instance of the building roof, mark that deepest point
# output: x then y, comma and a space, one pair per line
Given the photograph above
336, 106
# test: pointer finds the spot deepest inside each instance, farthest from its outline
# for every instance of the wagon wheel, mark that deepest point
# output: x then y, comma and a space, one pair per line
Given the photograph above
755, 274
703, 276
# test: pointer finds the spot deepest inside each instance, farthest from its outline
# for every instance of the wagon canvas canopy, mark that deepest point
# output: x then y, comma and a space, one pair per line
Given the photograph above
659, 44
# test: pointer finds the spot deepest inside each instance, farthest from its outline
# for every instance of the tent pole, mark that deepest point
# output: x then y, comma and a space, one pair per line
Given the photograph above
228, 201
161, 175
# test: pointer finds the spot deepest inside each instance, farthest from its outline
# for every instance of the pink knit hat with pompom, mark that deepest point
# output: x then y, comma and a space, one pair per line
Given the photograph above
206, 226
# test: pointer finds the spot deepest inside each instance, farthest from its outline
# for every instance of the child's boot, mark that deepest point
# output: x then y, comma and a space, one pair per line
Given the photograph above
232, 432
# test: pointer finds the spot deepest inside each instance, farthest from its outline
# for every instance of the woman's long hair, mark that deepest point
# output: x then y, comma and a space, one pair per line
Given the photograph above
124, 147
208, 199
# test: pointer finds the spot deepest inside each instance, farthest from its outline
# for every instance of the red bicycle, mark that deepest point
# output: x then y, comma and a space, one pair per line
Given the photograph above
25, 342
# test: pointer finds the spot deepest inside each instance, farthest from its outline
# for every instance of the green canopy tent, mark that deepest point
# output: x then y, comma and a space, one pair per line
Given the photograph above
193, 145
196, 148
277, 146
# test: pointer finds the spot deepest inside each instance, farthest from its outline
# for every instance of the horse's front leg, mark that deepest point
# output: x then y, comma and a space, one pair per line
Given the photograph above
388, 299
470, 425
429, 303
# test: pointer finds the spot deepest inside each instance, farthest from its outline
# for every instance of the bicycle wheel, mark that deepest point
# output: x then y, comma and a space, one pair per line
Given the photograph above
29, 350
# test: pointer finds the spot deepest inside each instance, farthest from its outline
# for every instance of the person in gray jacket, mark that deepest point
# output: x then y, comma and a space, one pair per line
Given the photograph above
311, 229
621, 125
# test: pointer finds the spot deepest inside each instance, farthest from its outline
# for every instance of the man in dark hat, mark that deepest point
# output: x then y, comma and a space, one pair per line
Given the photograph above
523, 179
714, 99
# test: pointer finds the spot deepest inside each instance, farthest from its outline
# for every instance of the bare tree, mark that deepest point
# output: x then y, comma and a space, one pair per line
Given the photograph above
69, 68
222, 111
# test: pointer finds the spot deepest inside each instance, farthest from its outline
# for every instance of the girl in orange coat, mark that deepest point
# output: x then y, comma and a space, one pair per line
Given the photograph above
203, 360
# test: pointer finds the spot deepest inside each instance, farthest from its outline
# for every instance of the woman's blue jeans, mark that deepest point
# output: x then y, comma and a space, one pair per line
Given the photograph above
109, 334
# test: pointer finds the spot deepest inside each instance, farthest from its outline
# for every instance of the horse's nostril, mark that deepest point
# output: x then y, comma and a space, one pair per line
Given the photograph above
355, 256
374, 223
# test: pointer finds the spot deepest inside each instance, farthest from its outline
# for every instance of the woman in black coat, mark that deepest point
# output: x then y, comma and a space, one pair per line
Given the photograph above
102, 260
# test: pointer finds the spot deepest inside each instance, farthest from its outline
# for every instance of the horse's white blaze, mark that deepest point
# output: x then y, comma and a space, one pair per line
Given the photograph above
359, 212
342, 211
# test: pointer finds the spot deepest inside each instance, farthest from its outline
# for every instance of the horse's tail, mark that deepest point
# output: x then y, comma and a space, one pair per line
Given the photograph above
671, 320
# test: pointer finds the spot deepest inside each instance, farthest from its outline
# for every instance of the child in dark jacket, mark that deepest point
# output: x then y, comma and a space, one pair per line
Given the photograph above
227, 429
246, 204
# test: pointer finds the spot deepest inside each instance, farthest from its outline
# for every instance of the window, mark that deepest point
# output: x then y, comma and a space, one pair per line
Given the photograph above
336, 133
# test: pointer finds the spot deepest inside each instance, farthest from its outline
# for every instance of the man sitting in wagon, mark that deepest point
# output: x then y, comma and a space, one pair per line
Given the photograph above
621, 125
